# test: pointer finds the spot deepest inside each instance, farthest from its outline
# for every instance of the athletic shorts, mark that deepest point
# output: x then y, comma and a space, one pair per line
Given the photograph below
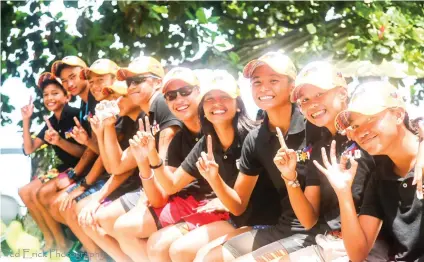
271, 242
130, 199
182, 211
91, 190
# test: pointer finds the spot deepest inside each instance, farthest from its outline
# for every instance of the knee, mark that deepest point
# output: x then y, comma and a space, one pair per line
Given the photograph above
178, 251
121, 229
156, 248
25, 194
43, 196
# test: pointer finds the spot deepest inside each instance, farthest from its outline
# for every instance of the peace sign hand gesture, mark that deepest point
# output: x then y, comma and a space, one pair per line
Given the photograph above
143, 142
78, 133
340, 177
206, 164
285, 159
27, 110
419, 165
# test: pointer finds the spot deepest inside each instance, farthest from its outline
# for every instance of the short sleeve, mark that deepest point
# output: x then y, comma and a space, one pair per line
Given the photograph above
366, 165
173, 156
371, 205
249, 164
189, 163
42, 133
164, 116
119, 125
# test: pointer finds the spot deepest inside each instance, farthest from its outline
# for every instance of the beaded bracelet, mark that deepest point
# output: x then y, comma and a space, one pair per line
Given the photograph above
293, 183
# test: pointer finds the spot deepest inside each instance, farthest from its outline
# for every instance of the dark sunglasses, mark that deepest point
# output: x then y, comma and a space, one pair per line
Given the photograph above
136, 80
183, 91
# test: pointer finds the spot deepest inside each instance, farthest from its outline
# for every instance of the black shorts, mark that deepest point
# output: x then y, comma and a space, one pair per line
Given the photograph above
275, 241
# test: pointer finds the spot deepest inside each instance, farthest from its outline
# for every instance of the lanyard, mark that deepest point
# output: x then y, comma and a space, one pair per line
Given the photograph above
86, 113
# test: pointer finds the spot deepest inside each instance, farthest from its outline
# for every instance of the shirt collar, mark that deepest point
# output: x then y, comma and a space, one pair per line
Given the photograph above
217, 148
385, 169
191, 135
297, 123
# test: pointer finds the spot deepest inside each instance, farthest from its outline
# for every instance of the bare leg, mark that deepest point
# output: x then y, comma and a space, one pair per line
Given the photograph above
70, 214
42, 200
186, 248
28, 196
201, 254
159, 243
131, 229
103, 235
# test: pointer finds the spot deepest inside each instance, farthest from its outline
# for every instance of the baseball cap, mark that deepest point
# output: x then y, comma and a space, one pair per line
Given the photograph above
48, 78
67, 60
100, 67
221, 80
141, 65
118, 87
180, 73
369, 99
320, 74
279, 62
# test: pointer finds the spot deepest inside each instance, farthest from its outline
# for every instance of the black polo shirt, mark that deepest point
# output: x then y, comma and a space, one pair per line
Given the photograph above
179, 148
329, 204
63, 127
261, 145
127, 127
393, 199
87, 110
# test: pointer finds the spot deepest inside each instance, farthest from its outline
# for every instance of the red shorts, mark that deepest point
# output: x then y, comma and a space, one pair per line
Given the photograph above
184, 210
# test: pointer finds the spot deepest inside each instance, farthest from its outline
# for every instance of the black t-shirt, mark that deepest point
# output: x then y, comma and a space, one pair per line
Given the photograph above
63, 127
393, 199
329, 204
87, 110
160, 116
179, 148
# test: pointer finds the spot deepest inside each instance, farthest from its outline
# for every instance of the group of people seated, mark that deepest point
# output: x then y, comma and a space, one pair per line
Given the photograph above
160, 166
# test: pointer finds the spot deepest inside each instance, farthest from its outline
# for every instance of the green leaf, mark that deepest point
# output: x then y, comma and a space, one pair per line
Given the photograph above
160, 9
234, 57
214, 19
311, 29
200, 14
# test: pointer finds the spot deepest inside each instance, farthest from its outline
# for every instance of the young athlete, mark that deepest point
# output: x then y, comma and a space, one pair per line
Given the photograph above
321, 93
376, 119
272, 78
55, 99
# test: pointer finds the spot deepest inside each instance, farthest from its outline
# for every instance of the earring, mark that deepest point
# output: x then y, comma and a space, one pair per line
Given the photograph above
238, 110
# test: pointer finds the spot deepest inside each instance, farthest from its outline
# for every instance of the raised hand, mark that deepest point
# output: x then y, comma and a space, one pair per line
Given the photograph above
215, 205
206, 164
78, 133
51, 135
285, 159
96, 125
143, 142
27, 110
419, 165
340, 177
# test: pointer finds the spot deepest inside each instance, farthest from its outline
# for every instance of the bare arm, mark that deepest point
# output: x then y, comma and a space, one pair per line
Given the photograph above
112, 184
359, 234
71, 148
30, 145
96, 170
86, 159
119, 161
165, 138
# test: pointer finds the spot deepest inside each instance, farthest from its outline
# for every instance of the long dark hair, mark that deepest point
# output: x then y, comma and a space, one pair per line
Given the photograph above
242, 123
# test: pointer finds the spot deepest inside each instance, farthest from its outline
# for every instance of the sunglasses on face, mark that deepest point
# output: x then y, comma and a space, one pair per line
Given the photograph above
136, 80
183, 91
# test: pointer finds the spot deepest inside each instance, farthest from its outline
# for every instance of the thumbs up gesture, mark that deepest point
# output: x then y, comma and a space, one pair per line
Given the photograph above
285, 159
206, 164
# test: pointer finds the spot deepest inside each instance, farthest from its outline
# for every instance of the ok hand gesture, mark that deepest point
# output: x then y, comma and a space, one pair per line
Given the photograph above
206, 164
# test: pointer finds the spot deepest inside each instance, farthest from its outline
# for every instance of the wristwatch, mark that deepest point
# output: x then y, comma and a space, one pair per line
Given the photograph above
84, 183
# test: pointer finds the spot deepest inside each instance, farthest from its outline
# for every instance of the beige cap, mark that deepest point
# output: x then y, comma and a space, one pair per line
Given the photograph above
100, 67
369, 99
180, 73
67, 60
221, 80
279, 62
118, 87
320, 74
141, 65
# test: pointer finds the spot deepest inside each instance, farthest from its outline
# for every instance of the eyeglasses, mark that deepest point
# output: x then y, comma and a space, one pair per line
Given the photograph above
183, 91
136, 80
